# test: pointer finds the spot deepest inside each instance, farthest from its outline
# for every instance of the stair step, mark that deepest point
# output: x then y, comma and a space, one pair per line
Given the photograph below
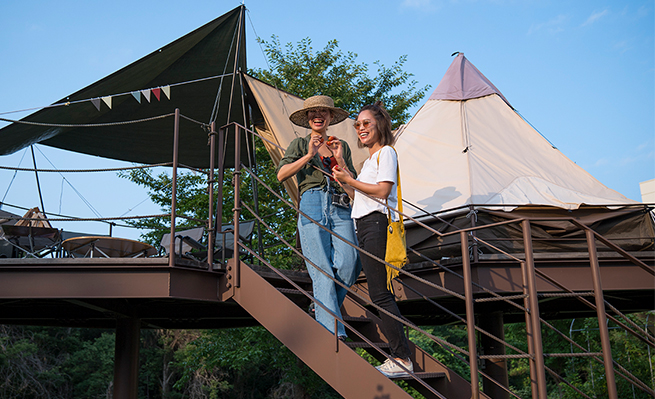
351, 319
361, 344
422, 375
293, 291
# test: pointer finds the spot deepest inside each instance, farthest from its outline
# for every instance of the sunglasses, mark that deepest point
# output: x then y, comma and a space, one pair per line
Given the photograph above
364, 123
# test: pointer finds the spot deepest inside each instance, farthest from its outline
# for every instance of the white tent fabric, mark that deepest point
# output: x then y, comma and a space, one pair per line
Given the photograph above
476, 150
276, 106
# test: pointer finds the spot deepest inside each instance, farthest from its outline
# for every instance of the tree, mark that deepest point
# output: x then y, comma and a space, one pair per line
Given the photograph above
330, 72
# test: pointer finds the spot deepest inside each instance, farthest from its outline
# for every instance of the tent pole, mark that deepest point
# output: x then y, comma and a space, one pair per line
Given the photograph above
38, 185
176, 139
210, 215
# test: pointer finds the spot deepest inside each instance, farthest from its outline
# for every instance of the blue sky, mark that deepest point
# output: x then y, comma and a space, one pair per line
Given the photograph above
582, 72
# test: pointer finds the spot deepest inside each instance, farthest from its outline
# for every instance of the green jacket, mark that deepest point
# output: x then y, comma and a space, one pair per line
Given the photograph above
309, 177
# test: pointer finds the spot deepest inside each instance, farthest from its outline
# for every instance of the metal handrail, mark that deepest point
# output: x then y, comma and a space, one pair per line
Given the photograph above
528, 262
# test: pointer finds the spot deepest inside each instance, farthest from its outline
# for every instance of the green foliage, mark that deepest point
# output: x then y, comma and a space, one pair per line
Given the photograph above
305, 73
253, 361
454, 334
91, 367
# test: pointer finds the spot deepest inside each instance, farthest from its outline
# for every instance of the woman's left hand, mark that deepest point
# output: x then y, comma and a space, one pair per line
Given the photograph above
341, 174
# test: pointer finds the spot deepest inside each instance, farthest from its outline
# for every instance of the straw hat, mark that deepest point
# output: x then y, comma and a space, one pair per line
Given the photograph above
300, 117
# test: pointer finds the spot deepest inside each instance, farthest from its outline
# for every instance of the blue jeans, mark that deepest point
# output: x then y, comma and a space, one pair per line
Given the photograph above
329, 253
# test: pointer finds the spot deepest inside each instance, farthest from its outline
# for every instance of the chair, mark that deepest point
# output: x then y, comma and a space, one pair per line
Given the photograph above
225, 239
30, 238
185, 242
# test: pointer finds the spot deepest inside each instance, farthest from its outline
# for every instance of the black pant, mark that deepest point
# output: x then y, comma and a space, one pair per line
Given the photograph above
372, 237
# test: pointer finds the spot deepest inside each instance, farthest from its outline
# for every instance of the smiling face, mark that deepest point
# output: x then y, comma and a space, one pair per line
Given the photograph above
366, 127
319, 119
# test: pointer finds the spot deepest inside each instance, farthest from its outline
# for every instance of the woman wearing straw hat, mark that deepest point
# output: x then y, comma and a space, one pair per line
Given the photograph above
311, 159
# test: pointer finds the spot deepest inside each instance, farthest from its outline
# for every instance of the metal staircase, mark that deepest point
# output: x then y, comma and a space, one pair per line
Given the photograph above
280, 310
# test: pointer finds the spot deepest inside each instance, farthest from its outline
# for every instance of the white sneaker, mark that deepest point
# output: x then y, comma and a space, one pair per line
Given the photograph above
392, 370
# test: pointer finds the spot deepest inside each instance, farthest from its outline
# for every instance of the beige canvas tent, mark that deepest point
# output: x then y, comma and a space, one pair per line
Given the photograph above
468, 157
275, 106
472, 148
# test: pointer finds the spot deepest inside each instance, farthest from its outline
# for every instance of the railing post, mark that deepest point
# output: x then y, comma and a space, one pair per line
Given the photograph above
237, 203
528, 331
535, 322
176, 141
602, 318
210, 218
470, 316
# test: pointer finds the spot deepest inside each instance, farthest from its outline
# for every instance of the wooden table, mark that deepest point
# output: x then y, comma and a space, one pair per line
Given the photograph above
106, 247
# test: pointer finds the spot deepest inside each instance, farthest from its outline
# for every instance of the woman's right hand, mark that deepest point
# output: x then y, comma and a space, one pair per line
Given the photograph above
315, 142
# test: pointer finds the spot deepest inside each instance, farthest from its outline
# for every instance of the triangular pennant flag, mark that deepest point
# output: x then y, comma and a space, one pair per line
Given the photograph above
96, 102
167, 91
137, 96
146, 94
107, 100
156, 92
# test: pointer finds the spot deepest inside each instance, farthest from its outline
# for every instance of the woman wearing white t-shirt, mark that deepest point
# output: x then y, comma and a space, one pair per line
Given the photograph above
377, 179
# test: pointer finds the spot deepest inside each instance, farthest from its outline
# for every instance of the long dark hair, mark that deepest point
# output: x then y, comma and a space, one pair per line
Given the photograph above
382, 121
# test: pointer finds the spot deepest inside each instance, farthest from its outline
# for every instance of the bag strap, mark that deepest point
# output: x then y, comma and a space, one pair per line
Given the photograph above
399, 191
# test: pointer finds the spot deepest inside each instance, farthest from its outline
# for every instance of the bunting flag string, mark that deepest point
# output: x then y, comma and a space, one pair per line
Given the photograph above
136, 94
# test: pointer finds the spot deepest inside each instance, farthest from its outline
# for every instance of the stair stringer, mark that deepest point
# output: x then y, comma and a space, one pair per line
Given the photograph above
452, 386
338, 365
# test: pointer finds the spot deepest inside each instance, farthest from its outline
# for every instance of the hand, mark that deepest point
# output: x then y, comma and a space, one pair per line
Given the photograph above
341, 174
334, 144
315, 142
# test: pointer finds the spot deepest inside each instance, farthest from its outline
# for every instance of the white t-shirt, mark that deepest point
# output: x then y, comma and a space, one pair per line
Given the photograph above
373, 173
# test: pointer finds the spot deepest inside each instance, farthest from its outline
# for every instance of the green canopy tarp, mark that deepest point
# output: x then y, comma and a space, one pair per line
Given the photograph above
195, 73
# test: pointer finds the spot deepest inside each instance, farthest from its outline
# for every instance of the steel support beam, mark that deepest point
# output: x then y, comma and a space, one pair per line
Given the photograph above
496, 369
126, 358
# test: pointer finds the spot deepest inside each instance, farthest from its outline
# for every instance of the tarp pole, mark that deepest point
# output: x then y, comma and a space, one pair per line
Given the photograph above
176, 140
219, 195
210, 216
237, 203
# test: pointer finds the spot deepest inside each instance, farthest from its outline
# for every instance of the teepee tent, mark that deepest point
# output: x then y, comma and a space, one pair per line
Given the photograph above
467, 154
472, 148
